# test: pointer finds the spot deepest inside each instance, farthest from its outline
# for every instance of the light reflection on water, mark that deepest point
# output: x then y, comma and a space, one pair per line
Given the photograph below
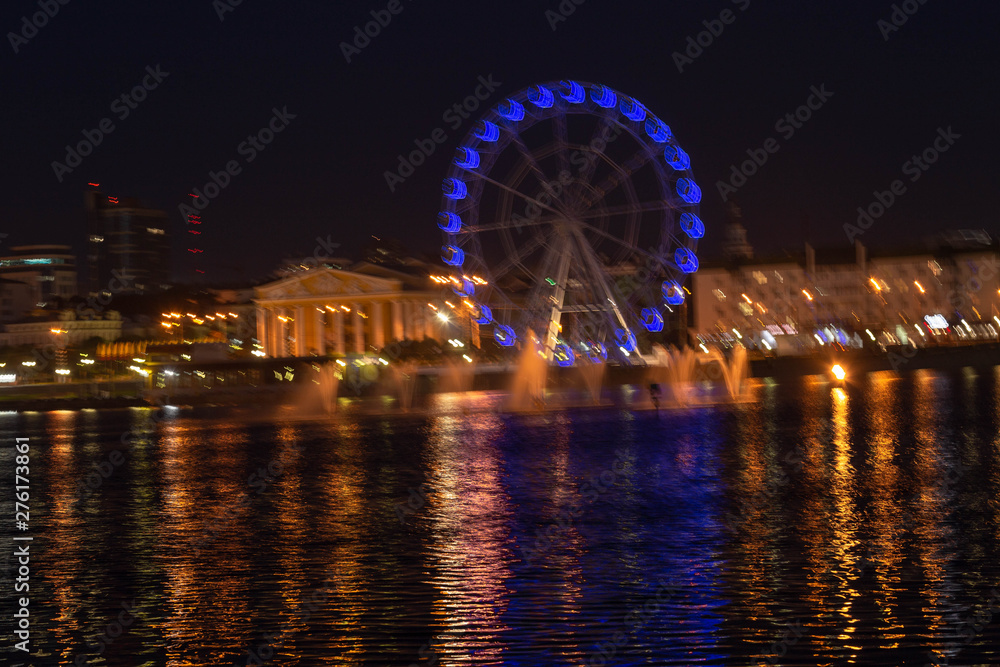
810, 526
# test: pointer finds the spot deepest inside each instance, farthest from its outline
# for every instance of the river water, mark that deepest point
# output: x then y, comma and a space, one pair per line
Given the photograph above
809, 526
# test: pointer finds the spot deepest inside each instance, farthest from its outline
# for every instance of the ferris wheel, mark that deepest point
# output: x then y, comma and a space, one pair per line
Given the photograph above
570, 211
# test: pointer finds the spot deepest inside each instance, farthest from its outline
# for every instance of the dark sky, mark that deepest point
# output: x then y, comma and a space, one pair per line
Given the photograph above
323, 175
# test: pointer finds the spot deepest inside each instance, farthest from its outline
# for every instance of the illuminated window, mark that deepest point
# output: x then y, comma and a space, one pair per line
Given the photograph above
719, 295
759, 277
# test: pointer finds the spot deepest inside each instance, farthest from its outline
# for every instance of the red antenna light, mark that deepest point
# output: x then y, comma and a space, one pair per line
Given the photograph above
94, 185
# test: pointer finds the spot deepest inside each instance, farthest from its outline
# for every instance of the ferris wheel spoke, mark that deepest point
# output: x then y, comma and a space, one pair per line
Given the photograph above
517, 193
630, 246
627, 209
512, 224
514, 259
619, 176
588, 172
536, 169
562, 139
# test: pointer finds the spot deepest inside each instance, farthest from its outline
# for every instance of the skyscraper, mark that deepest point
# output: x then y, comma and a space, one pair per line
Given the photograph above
127, 242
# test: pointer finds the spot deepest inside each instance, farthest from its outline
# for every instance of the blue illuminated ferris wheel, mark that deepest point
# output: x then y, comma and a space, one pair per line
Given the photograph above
570, 211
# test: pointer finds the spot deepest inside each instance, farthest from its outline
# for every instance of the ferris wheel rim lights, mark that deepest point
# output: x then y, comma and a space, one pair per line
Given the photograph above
545, 101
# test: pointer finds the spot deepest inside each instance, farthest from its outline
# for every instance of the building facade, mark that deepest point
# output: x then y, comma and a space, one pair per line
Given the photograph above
330, 311
851, 291
126, 242
62, 331
50, 270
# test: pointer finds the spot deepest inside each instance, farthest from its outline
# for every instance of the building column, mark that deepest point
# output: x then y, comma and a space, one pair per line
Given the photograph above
273, 331
261, 315
407, 319
397, 321
429, 323
359, 329
319, 332
378, 325
300, 332
338, 332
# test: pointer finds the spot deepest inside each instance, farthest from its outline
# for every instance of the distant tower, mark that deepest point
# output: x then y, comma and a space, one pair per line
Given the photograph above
735, 246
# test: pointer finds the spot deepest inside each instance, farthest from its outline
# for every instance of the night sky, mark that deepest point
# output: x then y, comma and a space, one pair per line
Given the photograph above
324, 174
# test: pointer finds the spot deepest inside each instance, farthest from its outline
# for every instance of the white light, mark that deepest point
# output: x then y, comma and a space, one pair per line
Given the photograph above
87, 361
870, 334
966, 325
258, 353
341, 362
443, 317
27, 363
763, 342
738, 334
705, 349
624, 351
816, 336
62, 371
8, 377
383, 361
467, 358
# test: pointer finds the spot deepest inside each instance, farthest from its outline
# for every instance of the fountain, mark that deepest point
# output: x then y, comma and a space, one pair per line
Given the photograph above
733, 373
682, 371
402, 377
329, 382
674, 370
457, 376
528, 388
593, 378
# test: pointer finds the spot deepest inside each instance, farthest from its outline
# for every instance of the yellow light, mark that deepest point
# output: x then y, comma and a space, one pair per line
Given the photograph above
747, 299
839, 372
443, 317
450, 304
467, 303
433, 307
807, 294
878, 288
920, 287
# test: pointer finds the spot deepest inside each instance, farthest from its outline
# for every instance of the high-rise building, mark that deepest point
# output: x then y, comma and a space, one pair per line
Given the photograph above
127, 243
50, 270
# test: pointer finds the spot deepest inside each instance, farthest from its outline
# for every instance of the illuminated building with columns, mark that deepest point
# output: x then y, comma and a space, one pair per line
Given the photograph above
331, 311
